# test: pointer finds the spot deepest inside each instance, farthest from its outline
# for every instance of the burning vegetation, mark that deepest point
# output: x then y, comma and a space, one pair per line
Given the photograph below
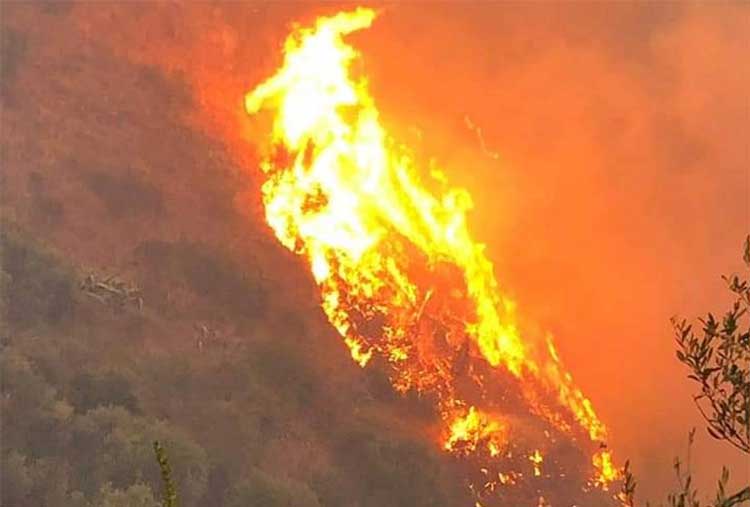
401, 277
211, 340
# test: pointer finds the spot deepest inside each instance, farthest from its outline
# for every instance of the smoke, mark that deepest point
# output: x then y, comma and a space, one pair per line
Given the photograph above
619, 194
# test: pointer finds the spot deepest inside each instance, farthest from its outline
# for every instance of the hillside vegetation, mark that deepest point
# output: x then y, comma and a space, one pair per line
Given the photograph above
229, 363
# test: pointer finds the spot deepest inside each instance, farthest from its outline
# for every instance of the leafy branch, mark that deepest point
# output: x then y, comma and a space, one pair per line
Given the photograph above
718, 358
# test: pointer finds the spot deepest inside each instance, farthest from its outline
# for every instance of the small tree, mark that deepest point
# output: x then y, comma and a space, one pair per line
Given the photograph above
170, 491
718, 358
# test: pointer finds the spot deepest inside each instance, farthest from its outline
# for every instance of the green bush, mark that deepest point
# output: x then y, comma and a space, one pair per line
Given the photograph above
118, 447
13, 49
125, 194
39, 289
90, 390
82, 405
235, 292
262, 490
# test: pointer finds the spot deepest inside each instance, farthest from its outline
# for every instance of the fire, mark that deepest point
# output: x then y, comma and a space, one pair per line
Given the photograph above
468, 431
537, 459
401, 278
606, 470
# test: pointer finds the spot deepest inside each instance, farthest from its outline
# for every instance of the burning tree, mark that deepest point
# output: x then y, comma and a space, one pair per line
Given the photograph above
718, 358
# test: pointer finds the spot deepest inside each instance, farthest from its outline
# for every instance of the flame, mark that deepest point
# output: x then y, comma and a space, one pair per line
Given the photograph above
606, 470
475, 428
537, 459
400, 275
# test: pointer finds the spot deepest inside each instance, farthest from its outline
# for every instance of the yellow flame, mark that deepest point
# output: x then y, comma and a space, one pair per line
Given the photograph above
537, 459
474, 428
399, 272
606, 470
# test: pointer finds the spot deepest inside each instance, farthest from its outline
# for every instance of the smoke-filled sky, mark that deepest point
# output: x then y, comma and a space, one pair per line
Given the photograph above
618, 195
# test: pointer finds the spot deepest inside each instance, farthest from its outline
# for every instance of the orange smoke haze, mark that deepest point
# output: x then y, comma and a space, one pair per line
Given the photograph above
618, 194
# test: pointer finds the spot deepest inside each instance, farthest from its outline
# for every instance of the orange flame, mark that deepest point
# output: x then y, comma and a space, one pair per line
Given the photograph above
400, 275
468, 431
537, 459
606, 470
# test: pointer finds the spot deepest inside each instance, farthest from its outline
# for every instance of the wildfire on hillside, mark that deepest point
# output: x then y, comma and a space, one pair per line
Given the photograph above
401, 277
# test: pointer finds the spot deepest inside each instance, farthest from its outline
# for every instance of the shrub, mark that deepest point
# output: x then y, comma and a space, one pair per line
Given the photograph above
39, 288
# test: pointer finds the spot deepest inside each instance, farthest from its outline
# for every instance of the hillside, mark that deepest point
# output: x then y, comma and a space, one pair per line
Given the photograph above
102, 174
145, 297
